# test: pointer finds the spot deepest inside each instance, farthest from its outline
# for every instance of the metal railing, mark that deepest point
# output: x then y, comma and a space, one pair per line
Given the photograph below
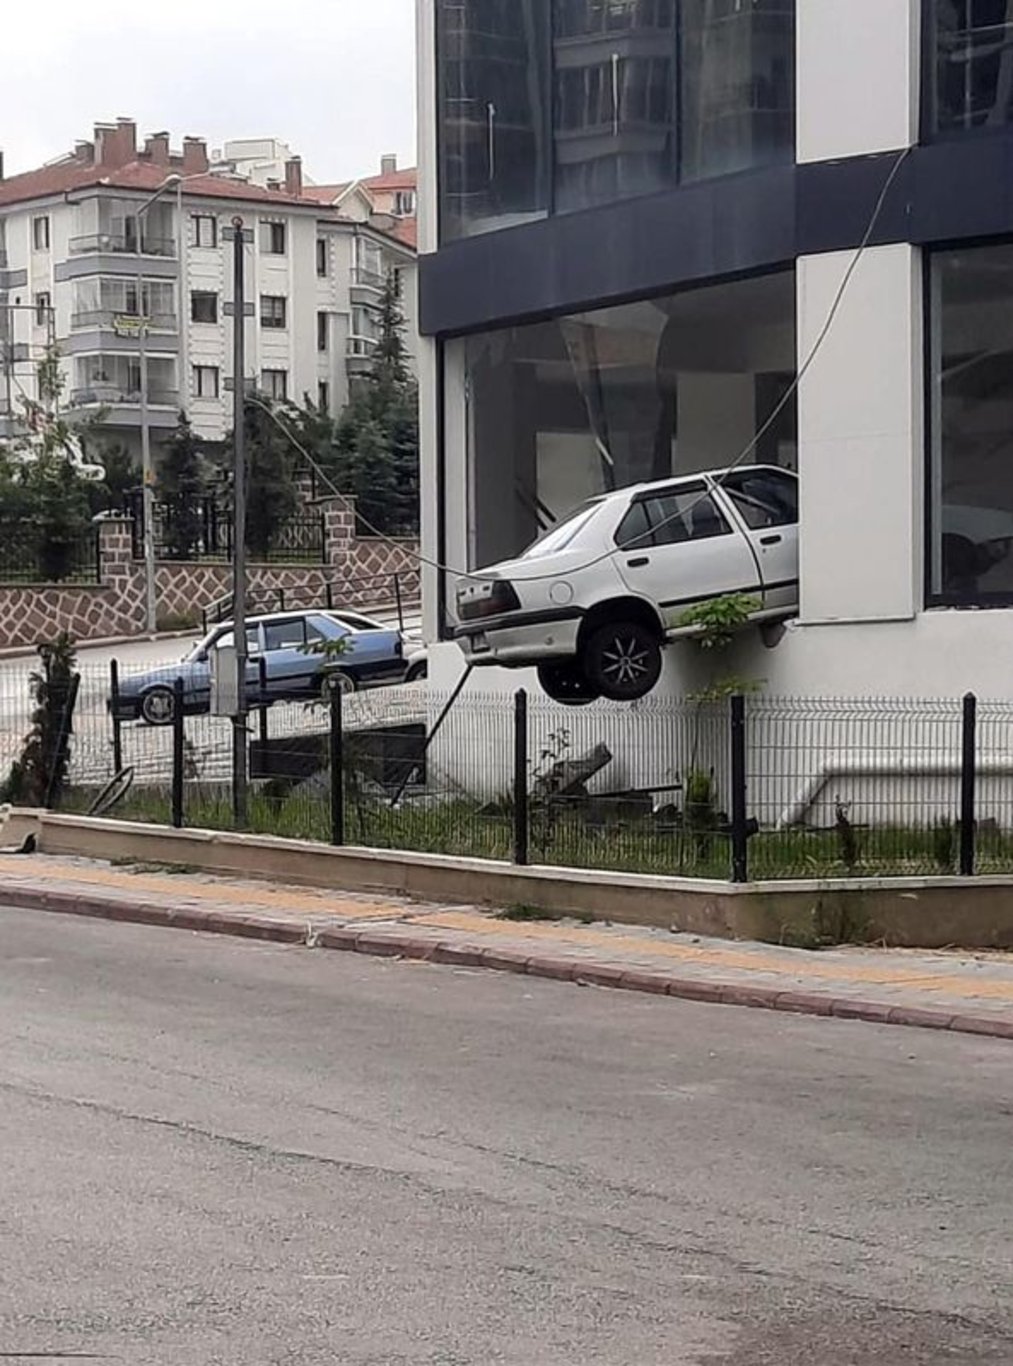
128, 243
361, 346
353, 593
32, 553
106, 317
98, 395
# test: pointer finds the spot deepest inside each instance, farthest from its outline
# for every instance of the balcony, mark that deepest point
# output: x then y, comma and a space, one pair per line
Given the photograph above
123, 243
113, 395
366, 285
359, 355
90, 320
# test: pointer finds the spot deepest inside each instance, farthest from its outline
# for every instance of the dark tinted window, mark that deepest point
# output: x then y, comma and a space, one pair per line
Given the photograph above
763, 498
285, 635
971, 45
685, 514
493, 90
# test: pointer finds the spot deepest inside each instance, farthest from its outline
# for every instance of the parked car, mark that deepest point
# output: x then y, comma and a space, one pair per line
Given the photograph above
592, 603
287, 661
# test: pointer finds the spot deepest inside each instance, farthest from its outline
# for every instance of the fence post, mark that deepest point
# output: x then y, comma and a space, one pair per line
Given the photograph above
329, 595
114, 706
521, 777
968, 783
400, 604
262, 673
740, 832
337, 769
177, 754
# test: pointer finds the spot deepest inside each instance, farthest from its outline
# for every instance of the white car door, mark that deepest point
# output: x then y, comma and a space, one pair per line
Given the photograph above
765, 502
677, 548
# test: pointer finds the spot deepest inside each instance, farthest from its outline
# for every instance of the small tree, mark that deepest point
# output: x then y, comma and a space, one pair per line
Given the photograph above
180, 489
375, 452
39, 775
44, 488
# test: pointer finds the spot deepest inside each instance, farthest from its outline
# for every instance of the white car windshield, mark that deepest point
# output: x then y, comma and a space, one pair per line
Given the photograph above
563, 532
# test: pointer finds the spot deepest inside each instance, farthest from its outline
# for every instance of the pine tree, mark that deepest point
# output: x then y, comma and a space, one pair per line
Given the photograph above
271, 494
181, 489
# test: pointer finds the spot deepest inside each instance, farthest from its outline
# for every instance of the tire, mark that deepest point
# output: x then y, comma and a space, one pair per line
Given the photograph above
158, 707
566, 683
622, 660
336, 680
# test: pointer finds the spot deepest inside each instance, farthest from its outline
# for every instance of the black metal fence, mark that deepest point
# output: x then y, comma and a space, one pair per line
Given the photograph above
346, 592
753, 788
205, 532
33, 552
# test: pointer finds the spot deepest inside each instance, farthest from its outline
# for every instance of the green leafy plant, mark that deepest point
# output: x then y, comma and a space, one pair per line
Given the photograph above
718, 619
847, 837
546, 804
945, 836
38, 776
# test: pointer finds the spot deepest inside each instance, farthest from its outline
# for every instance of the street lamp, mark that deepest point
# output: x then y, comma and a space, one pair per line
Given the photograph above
147, 472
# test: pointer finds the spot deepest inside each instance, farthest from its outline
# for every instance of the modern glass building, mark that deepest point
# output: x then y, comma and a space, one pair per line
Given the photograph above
652, 229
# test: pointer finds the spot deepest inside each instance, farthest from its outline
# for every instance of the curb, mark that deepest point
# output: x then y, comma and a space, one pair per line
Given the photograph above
102, 642
401, 944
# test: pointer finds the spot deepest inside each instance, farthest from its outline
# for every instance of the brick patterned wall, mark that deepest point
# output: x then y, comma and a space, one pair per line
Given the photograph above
359, 571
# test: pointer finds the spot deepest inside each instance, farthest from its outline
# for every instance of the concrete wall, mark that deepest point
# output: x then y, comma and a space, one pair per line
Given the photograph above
858, 64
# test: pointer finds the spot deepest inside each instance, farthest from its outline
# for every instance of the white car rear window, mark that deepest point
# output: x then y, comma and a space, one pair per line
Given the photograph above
563, 532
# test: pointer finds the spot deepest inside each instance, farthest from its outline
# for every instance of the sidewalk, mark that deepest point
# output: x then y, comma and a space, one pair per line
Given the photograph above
964, 992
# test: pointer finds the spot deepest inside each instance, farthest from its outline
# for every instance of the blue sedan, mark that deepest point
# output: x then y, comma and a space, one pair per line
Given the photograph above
292, 656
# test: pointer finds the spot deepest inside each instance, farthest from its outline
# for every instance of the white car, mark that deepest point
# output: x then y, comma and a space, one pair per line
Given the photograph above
593, 602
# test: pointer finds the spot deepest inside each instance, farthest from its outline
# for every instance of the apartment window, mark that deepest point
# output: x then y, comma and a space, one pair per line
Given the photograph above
272, 239
206, 382
203, 306
322, 257
397, 277
43, 306
324, 396
205, 230
275, 383
40, 233
404, 203
273, 311
323, 331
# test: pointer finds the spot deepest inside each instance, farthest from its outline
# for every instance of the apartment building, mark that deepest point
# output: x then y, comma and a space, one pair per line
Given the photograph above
116, 237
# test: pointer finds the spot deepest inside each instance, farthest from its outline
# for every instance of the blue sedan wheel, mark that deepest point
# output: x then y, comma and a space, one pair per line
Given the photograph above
336, 680
158, 707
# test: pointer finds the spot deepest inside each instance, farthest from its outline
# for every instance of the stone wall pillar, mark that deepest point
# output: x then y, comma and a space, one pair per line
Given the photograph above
339, 527
120, 572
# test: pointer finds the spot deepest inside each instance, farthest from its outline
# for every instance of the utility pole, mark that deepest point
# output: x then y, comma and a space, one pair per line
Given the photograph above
239, 749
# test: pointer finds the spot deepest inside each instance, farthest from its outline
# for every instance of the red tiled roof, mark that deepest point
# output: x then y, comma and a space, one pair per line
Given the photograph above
406, 230
70, 175
393, 180
325, 194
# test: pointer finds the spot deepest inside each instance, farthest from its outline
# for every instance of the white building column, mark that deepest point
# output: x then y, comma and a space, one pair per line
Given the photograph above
861, 437
858, 76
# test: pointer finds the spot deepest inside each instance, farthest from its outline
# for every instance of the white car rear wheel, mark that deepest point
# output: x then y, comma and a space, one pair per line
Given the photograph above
622, 660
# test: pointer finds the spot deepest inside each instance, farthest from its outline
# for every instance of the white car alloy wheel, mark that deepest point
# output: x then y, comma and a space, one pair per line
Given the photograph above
623, 660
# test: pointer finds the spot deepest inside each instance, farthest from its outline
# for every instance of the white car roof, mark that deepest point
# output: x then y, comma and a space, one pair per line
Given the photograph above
669, 480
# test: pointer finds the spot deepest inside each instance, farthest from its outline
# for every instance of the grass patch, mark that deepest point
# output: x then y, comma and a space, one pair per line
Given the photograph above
637, 844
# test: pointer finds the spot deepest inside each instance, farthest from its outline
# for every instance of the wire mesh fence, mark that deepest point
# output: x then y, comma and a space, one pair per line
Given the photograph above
758, 788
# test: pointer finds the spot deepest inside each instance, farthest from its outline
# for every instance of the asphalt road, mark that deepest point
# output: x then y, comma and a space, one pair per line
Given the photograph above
217, 1152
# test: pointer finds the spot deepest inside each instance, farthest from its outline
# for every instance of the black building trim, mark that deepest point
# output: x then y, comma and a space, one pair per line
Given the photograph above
746, 224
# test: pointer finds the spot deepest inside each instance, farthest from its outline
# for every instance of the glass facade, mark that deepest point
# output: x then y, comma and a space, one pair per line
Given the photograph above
971, 45
971, 484
561, 410
554, 105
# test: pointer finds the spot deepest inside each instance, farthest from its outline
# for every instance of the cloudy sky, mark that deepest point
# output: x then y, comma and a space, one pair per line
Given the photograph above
334, 78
